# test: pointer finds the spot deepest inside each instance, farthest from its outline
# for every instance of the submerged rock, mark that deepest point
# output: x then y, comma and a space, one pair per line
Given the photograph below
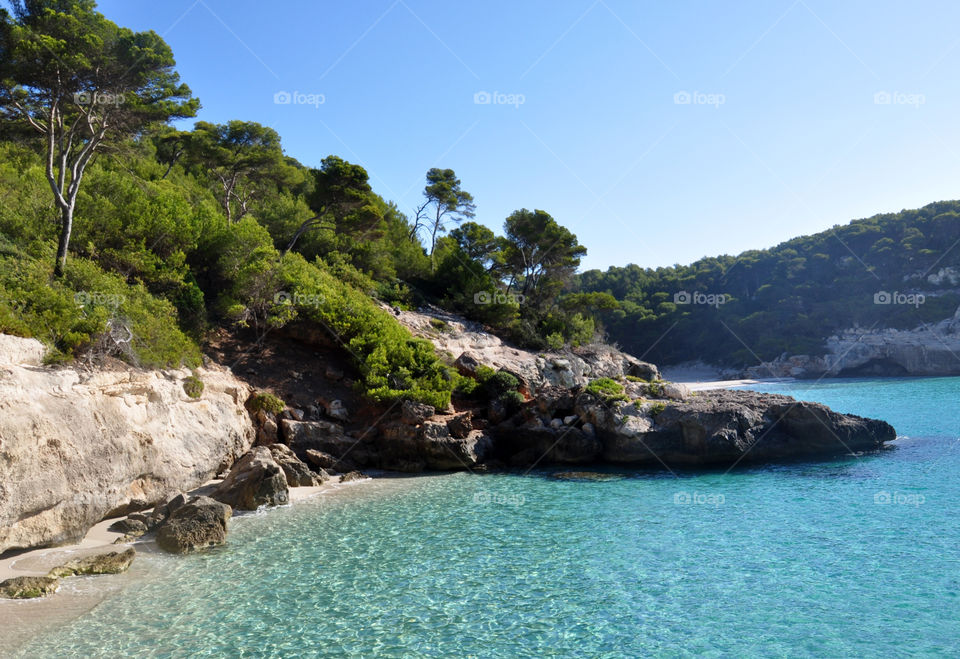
255, 480
113, 562
28, 587
586, 476
199, 524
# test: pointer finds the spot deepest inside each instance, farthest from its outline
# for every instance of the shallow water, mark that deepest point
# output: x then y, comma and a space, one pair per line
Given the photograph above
854, 557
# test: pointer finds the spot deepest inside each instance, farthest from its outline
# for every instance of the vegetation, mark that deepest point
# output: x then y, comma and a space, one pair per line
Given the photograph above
788, 298
174, 233
607, 390
193, 386
266, 402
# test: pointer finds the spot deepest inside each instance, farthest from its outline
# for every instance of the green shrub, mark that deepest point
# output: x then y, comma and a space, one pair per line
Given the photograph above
500, 383
555, 341
634, 378
394, 365
607, 390
90, 311
193, 386
511, 401
657, 408
267, 402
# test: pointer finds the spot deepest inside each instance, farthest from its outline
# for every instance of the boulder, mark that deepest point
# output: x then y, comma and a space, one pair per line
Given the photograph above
298, 474
461, 425
337, 410
113, 562
467, 364
353, 476
416, 413
255, 480
129, 527
323, 461
317, 435
675, 391
200, 524
28, 587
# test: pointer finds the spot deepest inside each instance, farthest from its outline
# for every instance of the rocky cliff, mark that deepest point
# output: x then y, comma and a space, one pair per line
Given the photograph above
932, 349
76, 445
469, 344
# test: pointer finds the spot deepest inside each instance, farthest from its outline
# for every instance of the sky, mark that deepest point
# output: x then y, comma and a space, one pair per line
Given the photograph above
658, 132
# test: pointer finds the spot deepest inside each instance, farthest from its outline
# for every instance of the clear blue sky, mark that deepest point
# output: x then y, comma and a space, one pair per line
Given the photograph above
783, 137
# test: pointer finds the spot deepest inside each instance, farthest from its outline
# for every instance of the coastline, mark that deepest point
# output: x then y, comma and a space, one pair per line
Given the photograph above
697, 376
24, 619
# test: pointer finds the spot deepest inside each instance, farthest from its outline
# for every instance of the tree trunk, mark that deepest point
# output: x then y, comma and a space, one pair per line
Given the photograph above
66, 228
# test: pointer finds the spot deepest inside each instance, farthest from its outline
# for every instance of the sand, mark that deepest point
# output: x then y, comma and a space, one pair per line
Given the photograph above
23, 619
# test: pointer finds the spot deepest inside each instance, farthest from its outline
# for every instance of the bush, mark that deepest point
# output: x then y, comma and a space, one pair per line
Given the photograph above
500, 383
193, 386
394, 365
266, 402
607, 390
511, 401
90, 312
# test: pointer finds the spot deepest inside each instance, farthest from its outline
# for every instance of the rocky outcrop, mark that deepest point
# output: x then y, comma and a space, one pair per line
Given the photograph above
113, 562
470, 346
28, 587
77, 444
255, 480
716, 427
298, 474
199, 524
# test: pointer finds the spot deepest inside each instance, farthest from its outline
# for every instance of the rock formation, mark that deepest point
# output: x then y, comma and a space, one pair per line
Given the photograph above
76, 445
199, 524
255, 480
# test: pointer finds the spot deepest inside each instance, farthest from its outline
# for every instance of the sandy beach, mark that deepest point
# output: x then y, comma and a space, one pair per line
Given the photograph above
23, 619
697, 376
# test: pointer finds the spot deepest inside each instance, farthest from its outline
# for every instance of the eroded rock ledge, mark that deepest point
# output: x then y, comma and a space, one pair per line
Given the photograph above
78, 446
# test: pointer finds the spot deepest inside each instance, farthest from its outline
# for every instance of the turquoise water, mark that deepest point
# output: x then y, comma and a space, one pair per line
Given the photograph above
790, 560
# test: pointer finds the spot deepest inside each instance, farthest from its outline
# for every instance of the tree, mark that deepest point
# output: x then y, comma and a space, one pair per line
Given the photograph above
243, 160
540, 255
444, 202
479, 243
82, 82
342, 196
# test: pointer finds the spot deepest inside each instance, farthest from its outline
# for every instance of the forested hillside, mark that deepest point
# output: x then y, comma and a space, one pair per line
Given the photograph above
123, 236
892, 270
